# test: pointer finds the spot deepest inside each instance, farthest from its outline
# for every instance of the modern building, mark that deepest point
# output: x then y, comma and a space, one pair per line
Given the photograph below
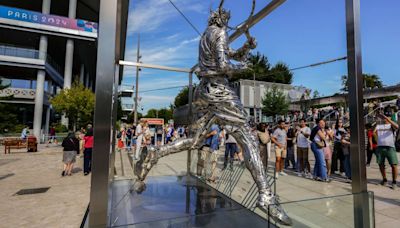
46, 45
252, 92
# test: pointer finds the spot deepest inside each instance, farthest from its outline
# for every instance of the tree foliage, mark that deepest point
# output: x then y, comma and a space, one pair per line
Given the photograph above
77, 103
316, 94
280, 73
370, 81
259, 65
8, 118
182, 98
274, 102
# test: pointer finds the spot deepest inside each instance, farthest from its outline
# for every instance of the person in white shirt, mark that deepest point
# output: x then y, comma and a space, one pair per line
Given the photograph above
386, 147
279, 138
302, 134
230, 149
139, 134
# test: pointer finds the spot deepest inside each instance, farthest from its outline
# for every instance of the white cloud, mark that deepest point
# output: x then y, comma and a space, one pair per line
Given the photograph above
170, 52
153, 98
149, 15
157, 83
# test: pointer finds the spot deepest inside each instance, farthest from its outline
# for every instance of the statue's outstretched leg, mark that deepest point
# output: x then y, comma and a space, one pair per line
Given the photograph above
151, 154
267, 201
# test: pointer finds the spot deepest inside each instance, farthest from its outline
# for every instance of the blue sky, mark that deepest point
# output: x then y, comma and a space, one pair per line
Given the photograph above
299, 32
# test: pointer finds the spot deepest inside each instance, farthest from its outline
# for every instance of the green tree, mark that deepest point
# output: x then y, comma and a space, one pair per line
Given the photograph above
77, 103
316, 94
370, 81
280, 73
274, 102
258, 64
8, 118
182, 98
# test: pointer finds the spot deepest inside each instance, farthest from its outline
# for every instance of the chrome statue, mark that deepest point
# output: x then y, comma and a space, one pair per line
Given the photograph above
216, 102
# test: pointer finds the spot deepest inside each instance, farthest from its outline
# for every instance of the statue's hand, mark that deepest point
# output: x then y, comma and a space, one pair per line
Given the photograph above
252, 43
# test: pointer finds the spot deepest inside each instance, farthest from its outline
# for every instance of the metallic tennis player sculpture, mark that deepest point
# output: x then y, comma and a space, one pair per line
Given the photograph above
216, 102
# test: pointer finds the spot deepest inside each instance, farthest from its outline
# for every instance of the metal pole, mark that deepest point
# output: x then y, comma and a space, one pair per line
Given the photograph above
106, 60
137, 82
357, 147
254, 96
190, 100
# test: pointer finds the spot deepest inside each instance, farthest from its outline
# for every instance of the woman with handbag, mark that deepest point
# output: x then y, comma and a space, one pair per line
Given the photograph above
346, 153
317, 144
264, 139
328, 149
71, 148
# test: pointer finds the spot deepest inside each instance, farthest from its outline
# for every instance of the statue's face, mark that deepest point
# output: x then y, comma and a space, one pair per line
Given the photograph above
219, 18
225, 16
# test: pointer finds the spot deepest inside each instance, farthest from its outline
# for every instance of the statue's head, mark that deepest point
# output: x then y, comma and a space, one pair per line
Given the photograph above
219, 17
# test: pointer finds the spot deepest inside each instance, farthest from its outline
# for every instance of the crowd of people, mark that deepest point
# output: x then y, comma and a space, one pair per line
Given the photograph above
133, 138
290, 141
330, 146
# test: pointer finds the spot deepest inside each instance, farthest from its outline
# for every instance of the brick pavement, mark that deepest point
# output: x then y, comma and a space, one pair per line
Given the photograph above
63, 205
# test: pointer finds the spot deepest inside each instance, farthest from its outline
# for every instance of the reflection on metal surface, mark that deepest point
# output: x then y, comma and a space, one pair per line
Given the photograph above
178, 201
215, 102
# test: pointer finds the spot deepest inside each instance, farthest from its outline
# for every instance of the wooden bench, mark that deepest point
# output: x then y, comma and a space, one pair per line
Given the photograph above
30, 144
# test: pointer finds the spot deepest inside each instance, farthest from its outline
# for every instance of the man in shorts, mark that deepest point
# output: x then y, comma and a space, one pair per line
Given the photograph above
386, 147
213, 142
303, 133
279, 138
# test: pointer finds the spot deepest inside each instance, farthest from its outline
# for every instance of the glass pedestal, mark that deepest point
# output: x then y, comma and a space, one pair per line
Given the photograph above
177, 201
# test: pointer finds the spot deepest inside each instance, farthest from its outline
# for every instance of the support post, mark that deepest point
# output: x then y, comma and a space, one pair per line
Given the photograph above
41, 75
87, 80
357, 147
135, 117
69, 58
47, 123
106, 59
190, 100
82, 74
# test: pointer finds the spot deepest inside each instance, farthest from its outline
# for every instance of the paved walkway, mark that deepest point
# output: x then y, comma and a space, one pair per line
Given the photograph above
63, 205
306, 212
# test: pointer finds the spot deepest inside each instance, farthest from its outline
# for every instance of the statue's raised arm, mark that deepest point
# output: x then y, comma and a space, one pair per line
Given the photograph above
214, 51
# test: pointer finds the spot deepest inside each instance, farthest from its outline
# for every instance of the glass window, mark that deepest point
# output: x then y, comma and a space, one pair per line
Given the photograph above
19, 83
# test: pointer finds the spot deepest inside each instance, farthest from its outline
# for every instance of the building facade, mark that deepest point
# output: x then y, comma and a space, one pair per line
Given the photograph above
252, 92
45, 46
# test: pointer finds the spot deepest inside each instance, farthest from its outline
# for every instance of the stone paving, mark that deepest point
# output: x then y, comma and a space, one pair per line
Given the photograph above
64, 204
311, 207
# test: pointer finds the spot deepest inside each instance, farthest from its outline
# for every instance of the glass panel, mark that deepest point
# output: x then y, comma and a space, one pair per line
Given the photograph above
335, 211
19, 83
235, 181
177, 201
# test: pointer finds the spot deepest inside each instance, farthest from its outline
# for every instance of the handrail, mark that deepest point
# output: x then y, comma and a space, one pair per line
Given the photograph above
23, 52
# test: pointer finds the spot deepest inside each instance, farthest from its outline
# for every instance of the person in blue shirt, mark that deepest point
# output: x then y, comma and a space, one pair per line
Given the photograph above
212, 141
25, 133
